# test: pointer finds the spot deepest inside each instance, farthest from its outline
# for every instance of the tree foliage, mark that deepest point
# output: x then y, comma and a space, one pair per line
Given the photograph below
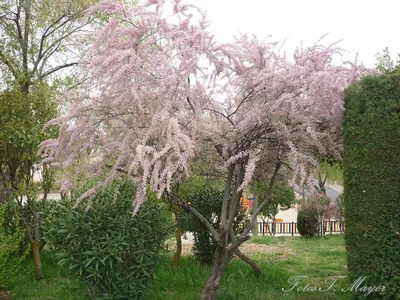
11, 255
308, 222
385, 62
39, 41
21, 133
39, 38
371, 182
282, 197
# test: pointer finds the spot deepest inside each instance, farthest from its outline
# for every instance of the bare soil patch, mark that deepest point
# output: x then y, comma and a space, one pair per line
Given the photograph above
246, 248
4, 295
250, 248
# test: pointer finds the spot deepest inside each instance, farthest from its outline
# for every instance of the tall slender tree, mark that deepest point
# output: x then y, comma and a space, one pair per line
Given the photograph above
39, 40
162, 90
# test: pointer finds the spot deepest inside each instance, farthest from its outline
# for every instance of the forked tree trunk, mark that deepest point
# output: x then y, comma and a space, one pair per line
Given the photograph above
36, 260
212, 286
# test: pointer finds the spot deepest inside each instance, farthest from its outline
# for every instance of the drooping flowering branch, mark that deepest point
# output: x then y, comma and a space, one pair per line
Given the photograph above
159, 90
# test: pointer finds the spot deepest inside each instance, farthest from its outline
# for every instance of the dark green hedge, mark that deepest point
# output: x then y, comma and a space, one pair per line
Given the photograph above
371, 131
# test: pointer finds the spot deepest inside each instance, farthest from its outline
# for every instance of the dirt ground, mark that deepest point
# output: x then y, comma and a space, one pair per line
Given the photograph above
4, 295
246, 248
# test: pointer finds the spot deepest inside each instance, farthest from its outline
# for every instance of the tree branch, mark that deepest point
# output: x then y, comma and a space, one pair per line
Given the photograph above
326, 176
240, 104
27, 9
225, 200
186, 206
244, 236
9, 64
233, 206
219, 113
16, 20
51, 71
42, 39
248, 260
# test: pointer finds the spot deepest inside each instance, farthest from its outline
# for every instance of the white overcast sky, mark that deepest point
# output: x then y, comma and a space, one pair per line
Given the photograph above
365, 26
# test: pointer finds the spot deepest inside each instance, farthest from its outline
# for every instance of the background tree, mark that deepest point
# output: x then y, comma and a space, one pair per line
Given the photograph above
385, 62
23, 117
154, 105
282, 197
39, 41
327, 171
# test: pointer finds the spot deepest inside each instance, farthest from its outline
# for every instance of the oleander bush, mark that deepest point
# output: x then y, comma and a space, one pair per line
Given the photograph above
114, 252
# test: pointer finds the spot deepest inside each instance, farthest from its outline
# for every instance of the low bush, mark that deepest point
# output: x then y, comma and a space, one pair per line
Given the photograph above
116, 254
11, 255
307, 222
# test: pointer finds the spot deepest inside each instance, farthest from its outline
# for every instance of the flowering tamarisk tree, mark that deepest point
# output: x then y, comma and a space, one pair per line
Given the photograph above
159, 90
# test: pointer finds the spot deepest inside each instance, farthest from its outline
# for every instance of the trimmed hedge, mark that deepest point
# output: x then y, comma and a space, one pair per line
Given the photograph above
371, 132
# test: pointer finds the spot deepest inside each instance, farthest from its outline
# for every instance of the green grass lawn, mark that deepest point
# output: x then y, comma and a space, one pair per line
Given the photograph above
57, 284
290, 256
279, 258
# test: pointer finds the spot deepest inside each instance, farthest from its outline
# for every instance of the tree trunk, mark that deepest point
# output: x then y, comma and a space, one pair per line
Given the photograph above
178, 251
322, 187
36, 260
176, 210
213, 283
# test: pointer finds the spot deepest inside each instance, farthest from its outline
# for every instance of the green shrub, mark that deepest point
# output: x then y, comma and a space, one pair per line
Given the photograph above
115, 253
313, 211
308, 221
208, 202
10, 243
371, 131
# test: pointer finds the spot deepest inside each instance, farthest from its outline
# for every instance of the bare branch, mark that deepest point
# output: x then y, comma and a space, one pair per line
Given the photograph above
9, 64
234, 204
182, 203
219, 113
51, 71
225, 200
240, 104
245, 233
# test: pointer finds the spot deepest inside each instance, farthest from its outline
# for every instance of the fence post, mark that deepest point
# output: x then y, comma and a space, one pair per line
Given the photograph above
292, 228
273, 228
263, 228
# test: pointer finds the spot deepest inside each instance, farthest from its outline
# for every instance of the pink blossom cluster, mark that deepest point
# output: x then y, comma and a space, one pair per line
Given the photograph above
159, 89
